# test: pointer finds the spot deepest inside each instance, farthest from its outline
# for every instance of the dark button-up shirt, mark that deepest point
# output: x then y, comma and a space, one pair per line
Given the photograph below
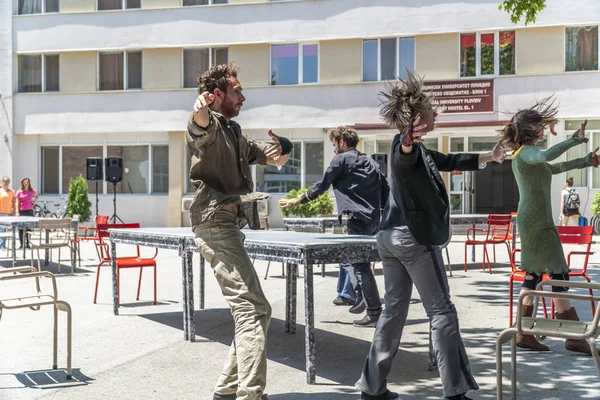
360, 188
220, 166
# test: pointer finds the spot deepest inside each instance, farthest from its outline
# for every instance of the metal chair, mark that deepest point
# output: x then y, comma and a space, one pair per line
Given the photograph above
547, 328
38, 242
495, 223
35, 302
518, 275
137, 261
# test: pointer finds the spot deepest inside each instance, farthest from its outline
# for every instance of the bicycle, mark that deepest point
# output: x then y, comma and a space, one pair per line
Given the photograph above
45, 212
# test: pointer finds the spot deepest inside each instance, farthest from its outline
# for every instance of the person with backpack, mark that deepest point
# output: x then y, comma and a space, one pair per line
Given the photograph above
569, 204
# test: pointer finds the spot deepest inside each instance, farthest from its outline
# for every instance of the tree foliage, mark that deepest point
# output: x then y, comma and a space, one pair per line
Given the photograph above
322, 205
78, 202
517, 8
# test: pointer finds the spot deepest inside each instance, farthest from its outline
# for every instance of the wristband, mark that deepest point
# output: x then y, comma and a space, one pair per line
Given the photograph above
286, 145
407, 136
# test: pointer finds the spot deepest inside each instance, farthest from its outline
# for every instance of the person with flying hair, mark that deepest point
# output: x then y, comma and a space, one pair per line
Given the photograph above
541, 249
415, 227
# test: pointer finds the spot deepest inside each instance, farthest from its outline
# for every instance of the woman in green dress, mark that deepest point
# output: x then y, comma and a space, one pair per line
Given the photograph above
541, 249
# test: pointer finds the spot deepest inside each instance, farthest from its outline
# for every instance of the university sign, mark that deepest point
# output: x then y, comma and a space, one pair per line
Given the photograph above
463, 96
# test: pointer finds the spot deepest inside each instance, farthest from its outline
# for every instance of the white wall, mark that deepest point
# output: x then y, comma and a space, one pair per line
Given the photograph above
275, 22
6, 88
279, 107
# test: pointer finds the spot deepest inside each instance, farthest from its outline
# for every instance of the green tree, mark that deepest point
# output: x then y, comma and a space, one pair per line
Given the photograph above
516, 9
78, 201
322, 205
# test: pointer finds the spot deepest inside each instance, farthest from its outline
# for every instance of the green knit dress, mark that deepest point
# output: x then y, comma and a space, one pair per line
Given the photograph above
541, 250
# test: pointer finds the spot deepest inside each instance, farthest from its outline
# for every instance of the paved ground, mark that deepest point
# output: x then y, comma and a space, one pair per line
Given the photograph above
141, 353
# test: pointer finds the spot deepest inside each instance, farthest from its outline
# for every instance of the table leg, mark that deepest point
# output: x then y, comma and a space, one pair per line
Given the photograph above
202, 285
74, 255
113, 265
288, 296
24, 237
190, 296
323, 265
184, 291
14, 244
294, 296
473, 247
47, 251
309, 323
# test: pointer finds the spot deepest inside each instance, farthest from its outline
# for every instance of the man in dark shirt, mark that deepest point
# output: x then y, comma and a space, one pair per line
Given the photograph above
361, 191
223, 204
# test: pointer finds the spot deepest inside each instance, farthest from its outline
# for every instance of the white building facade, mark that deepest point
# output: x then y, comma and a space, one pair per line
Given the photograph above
99, 78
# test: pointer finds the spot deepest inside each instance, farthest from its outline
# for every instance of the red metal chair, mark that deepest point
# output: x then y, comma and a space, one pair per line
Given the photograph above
495, 223
103, 250
580, 235
84, 232
500, 232
518, 275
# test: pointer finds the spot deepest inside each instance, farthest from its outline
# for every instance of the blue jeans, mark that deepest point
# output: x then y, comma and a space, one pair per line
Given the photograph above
344, 286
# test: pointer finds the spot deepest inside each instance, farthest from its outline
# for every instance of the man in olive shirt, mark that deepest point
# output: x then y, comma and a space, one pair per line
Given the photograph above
220, 171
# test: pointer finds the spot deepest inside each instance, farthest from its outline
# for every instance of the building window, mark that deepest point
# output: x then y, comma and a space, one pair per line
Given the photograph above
120, 70
160, 169
457, 144
313, 159
202, 2
37, 6
104, 5
197, 61
386, 59
144, 167
487, 54
39, 73
292, 64
581, 48
270, 179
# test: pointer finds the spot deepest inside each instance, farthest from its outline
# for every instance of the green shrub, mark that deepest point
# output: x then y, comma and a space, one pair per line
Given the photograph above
322, 205
78, 202
596, 205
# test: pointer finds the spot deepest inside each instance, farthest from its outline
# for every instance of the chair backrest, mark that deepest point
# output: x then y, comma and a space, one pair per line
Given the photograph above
55, 224
513, 260
102, 229
577, 235
499, 223
101, 219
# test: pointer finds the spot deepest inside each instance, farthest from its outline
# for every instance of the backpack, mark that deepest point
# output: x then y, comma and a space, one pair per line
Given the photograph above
573, 201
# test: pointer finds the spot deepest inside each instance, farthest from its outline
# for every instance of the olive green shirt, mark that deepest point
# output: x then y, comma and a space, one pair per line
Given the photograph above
220, 167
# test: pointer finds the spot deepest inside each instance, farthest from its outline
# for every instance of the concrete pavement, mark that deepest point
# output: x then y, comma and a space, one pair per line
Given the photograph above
141, 354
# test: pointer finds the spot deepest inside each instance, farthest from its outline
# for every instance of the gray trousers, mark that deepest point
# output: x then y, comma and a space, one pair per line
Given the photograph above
406, 262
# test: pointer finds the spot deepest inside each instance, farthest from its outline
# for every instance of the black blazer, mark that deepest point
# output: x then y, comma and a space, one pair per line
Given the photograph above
418, 196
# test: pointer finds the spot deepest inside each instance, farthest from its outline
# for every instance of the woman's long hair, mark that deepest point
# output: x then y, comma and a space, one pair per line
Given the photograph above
525, 125
23, 184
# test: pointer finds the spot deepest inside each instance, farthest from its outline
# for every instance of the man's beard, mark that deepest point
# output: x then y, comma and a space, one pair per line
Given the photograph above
228, 109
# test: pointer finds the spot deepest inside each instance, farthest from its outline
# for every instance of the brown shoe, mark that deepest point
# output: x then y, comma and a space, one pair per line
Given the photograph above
529, 341
577, 345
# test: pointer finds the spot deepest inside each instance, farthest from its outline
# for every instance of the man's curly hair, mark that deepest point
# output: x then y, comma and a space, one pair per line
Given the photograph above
217, 77
348, 135
403, 100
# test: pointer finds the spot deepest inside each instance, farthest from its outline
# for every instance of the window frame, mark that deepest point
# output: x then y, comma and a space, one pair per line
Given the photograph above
396, 59
496, 73
125, 70
123, 6
210, 3
43, 9
565, 49
103, 188
210, 58
300, 62
42, 71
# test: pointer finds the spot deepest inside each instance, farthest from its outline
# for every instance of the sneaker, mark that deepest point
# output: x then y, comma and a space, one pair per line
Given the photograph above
386, 396
359, 306
343, 301
367, 322
218, 396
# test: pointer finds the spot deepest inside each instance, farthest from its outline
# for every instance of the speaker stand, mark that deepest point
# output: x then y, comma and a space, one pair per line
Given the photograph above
96, 199
115, 217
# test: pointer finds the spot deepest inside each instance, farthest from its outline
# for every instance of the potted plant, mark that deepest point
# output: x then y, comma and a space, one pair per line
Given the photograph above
78, 201
322, 205
595, 221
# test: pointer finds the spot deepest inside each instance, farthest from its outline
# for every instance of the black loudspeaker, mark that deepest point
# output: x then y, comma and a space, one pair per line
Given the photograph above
113, 166
94, 169
381, 159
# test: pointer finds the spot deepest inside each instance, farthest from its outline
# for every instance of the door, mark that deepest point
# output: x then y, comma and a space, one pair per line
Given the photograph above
496, 189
